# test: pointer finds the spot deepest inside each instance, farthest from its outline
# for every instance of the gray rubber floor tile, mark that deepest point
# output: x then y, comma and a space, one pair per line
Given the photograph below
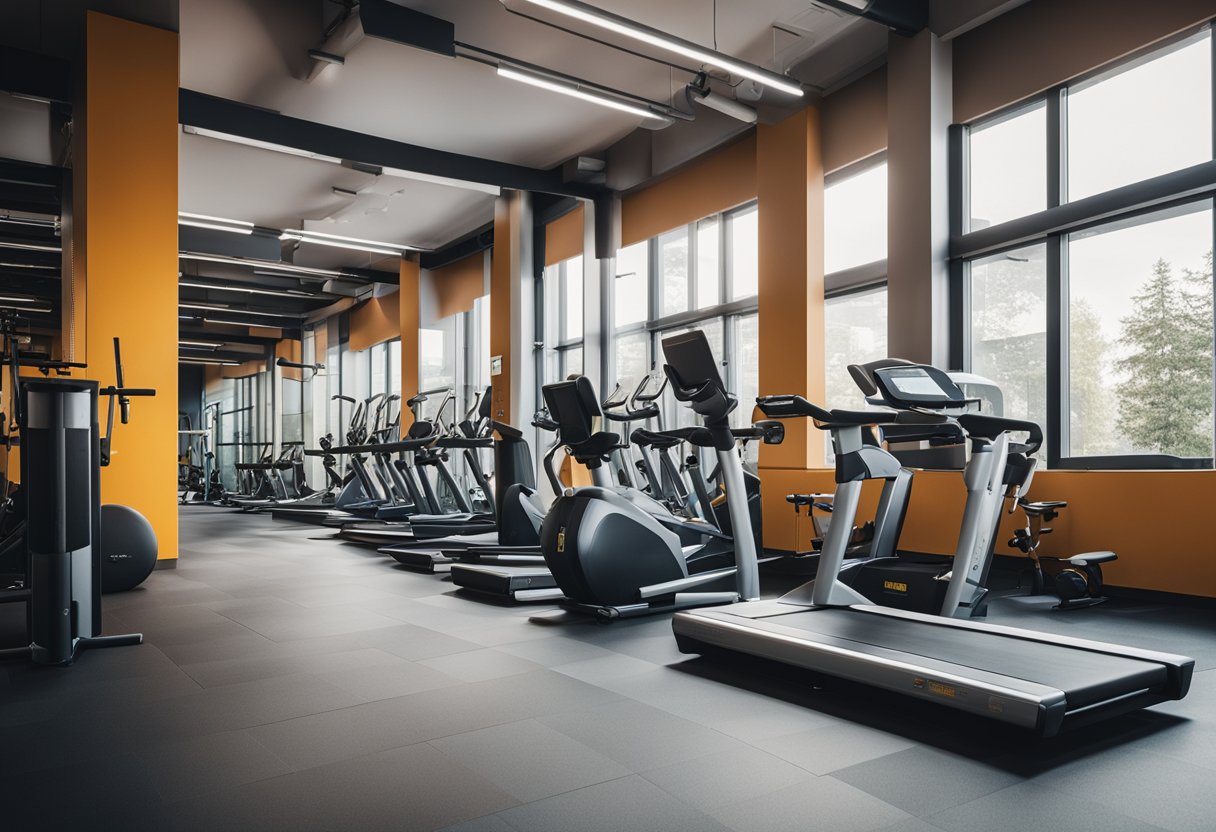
550, 652
639, 736
479, 665
416, 643
824, 750
923, 781
609, 671
1150, 787
630, 804
413, 788
385, 680
529, 760
726, 778
187, 769
814, 803
488, 823
1034, 806
283, 663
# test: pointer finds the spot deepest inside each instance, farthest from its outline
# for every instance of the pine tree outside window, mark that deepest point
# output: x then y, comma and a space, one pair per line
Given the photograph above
1095, 313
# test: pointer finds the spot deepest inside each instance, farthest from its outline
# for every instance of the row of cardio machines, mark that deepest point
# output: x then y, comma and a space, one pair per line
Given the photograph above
691, 528
394, 487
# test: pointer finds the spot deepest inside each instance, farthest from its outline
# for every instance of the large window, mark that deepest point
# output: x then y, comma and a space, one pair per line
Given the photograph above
563, 319
855, 257
1150, 117
855, 218
1008, 170
743, 246
705, 278
1140, 336
1096, 321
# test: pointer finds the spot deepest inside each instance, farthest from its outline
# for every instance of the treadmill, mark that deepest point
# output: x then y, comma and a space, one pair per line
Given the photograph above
1037, 681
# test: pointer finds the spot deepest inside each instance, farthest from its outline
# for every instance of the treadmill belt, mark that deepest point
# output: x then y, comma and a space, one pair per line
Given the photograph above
1085, 676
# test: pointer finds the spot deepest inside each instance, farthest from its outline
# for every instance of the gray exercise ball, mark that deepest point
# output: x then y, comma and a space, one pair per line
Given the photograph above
128, 548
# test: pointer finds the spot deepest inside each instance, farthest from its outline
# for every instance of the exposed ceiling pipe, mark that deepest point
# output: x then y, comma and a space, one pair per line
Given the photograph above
904, 17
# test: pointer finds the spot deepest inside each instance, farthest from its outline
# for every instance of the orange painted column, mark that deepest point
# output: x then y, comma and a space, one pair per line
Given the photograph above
789, 184
124, 280
411, 321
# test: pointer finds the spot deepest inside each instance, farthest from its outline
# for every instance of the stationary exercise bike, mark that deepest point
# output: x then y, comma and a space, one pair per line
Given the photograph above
1077, 580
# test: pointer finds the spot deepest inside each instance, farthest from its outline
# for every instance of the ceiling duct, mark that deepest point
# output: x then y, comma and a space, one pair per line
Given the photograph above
904, 17
387, 21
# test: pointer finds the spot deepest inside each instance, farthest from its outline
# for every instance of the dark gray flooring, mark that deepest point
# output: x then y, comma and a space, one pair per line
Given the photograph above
291, 682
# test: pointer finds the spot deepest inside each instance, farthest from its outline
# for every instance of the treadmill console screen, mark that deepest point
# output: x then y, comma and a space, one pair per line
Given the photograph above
914, 382
918, 385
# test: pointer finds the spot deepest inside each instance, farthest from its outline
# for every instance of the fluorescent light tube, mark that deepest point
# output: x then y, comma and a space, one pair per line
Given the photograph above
292, 235
290, 269
301, 232
186, 359
208, 218
480, 187
653, 37
207, 345
278, 148
279, 293
574, 92
216, 227
228, 311
29, 246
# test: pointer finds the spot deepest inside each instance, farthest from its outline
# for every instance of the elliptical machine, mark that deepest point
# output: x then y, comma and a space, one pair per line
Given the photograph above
618, 552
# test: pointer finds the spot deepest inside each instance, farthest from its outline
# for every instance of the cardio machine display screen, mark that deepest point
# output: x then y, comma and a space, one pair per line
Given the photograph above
914, 382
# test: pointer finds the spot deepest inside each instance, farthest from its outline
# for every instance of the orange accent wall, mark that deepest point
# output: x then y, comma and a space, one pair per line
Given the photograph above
854, 120
292, 350
375, 321
459, 284
1151, 519
564, 237
508, 212
1047, 42
265, 332
708, 184
129, 208
789, 173
410, 321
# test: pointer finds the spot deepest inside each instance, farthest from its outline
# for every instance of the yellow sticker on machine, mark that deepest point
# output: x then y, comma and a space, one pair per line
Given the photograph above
895, 586
561, 539
938, 688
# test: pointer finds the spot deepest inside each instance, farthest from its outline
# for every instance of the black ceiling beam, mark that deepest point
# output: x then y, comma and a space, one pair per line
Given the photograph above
208, 112
388, 21
470, 244
31, 173
227, 244
35, 75
212, 337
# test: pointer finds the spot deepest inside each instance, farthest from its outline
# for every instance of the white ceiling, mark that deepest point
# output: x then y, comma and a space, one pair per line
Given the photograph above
255, 51
278, 190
